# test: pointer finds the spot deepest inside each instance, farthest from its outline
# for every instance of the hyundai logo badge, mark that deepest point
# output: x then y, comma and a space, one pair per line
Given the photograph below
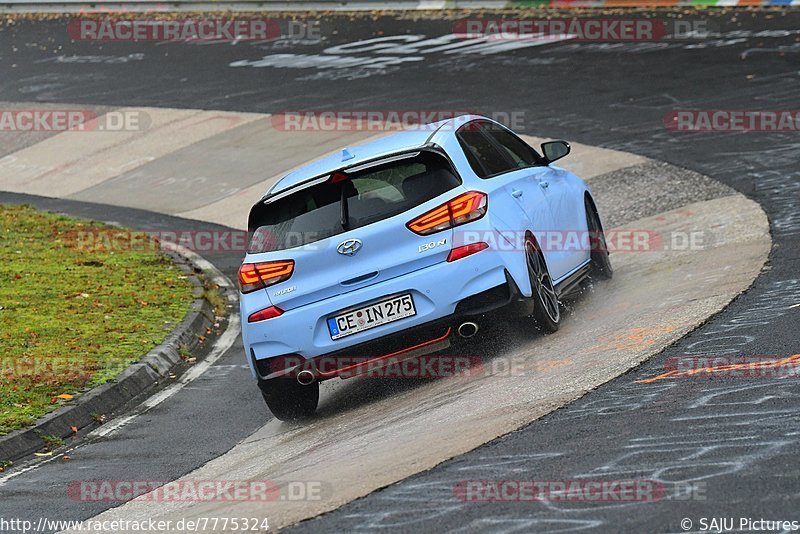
349, 247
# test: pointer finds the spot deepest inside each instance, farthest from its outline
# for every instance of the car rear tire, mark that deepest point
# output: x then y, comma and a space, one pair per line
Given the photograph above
600, 262
288, 400
546, 311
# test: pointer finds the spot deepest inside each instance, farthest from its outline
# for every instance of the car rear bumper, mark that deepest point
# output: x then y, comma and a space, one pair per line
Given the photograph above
445, 295
409, 343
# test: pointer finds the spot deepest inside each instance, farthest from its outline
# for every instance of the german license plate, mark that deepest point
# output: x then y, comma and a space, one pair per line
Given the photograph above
383, 312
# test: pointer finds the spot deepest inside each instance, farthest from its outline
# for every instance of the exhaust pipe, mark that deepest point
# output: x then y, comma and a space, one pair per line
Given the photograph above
305, 377
468, 329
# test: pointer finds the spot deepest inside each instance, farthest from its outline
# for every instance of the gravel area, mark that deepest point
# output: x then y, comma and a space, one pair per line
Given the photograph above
650, 188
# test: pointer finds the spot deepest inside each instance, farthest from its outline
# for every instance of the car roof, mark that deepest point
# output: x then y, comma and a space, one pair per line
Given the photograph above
399, 142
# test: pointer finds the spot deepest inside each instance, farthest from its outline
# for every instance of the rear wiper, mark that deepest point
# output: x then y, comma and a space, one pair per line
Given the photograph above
345, 210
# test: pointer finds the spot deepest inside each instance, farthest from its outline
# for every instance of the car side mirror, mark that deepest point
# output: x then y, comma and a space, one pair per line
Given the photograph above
555, 150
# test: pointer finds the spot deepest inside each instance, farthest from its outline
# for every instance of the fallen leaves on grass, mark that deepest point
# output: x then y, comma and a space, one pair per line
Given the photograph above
88, 323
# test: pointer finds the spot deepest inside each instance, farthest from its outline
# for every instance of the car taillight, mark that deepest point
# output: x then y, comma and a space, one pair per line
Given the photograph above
263, 315
466, 250
464, 208
253, 276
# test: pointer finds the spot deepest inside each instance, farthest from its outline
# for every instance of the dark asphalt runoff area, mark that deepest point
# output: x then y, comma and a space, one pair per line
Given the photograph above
724, 448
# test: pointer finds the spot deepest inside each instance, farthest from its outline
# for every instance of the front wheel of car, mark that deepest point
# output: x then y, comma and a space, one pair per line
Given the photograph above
600, 262
546, 311
288, 400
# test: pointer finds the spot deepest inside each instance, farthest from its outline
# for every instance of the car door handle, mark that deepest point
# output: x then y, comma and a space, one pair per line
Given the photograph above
544, 185
516, 193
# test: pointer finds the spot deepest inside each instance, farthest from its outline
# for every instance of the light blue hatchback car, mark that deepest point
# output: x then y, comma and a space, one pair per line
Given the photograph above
400, 246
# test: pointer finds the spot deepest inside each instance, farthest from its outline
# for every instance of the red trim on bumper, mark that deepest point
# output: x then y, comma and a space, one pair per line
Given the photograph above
371, 363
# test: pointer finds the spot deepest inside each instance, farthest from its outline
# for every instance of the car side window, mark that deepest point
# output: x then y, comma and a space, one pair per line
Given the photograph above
483, 156
522, 154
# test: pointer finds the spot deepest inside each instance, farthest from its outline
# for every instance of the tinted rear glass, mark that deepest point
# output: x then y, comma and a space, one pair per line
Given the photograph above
316, 212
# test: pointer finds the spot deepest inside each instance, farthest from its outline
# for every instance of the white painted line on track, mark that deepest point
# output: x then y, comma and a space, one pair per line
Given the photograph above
222, 344
220, 347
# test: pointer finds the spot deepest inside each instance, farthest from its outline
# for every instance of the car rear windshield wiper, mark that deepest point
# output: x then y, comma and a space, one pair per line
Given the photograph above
345, 209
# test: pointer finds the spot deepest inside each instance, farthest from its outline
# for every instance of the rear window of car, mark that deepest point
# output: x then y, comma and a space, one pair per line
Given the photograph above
359, 199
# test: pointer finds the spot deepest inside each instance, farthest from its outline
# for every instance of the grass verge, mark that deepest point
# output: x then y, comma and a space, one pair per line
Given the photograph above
75, 312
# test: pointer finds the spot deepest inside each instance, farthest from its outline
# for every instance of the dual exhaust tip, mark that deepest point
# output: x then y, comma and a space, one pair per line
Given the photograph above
465, 330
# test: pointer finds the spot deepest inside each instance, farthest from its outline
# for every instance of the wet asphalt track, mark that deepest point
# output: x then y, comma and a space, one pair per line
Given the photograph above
736, 440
